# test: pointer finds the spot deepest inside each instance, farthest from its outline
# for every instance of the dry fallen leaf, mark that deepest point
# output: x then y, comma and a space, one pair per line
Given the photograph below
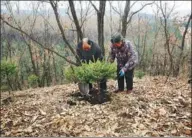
154, 134
162, 111
34, 118
42, 112
174, 131
141, 127
27, 113
87, 128
134, 125
28, 130
187, 132
114, 127
183, 101
188, 124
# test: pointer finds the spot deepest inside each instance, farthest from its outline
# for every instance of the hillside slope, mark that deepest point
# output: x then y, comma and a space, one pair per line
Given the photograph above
154, 109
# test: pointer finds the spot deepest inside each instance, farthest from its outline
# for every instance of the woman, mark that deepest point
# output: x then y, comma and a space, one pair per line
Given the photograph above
127, 59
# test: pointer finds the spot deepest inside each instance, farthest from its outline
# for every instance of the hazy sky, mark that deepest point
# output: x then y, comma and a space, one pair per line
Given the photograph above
182, 7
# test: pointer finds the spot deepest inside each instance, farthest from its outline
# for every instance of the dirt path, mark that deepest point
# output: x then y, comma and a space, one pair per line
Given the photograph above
154, 109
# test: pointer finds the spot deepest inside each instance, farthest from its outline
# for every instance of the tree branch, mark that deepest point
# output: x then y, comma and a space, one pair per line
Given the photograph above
138, 11
23, 32
54, 6
85, 17
110, 3
171, 10
67, 12
73, 12
133, 4
161, 8
185, 32
94, 6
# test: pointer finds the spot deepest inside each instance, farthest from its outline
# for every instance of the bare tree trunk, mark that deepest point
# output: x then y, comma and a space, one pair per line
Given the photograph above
124, 18
100, 23
144, 49
44, 74
48, 70
18, 84
55, 70
9, 48
164, 21
182, 47
111, 20
55, 6
73, 12
9, 81
8, 44
139, 37
100, 27
35, 71
126, 14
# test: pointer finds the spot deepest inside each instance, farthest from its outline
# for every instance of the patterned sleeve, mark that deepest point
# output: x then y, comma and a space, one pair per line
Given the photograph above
133, 58
112, 55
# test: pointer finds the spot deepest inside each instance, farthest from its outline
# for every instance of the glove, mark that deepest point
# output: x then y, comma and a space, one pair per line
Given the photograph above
121, 73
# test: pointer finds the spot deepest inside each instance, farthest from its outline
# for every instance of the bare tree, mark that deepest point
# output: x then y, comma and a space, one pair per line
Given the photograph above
164, 21
55, 9
6, 20
118, 11
127, 16
84, 15
78, 27
154, 48
125, 19
36, 41
31, 27
100, 23
182, 46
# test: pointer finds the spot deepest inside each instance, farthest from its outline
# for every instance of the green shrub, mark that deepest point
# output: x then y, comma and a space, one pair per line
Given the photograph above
33, 80
8, 68
139, 74
92, 72
8, 73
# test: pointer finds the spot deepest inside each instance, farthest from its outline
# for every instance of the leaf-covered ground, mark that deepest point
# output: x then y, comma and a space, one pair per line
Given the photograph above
154, 109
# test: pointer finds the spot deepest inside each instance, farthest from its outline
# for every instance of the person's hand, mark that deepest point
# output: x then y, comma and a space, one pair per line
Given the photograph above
121, 73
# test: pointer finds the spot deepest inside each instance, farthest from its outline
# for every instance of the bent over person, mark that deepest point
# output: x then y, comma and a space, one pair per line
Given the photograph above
87, 50
127, 59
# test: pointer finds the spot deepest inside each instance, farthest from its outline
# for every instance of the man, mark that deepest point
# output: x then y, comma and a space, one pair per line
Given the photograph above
88, 50
126, 61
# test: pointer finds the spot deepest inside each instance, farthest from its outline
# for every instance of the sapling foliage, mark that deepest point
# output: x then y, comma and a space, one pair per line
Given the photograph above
92, 72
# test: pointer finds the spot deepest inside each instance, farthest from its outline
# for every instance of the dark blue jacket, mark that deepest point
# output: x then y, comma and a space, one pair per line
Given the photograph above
92, 55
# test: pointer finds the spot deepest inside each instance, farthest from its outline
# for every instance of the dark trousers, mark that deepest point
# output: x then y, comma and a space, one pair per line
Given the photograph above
102, 86
128, 77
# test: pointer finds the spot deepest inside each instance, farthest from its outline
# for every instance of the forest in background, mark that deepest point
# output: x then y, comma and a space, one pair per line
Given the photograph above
37, 47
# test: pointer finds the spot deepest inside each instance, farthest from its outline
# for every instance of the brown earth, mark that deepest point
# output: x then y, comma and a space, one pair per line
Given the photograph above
153, 109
